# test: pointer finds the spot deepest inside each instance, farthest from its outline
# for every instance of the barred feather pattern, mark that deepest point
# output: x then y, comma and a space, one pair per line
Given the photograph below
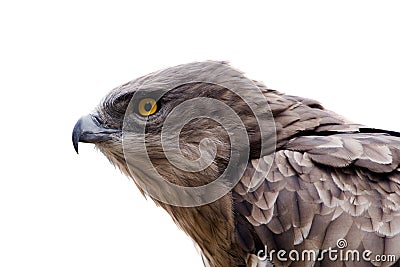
330, 180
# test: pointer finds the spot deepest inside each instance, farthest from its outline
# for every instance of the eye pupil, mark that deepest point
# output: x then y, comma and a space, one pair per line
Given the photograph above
148, 106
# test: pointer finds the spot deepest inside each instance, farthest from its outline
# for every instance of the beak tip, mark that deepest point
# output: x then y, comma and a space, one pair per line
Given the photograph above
76, 134
76, 148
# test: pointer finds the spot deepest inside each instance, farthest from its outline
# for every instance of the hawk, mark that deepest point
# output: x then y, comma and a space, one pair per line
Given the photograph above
306, 187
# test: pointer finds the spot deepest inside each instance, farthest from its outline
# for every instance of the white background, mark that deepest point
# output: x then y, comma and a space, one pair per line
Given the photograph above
58, 59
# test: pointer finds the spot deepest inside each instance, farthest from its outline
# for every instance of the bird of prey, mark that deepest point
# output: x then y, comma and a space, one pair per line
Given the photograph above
308, 187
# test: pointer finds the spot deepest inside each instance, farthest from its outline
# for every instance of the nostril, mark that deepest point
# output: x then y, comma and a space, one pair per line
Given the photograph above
96, 119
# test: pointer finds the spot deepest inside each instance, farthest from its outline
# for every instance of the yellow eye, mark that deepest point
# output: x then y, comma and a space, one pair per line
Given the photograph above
147, 106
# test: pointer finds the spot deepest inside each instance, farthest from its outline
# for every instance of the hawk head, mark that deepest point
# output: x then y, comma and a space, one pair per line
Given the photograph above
183, 126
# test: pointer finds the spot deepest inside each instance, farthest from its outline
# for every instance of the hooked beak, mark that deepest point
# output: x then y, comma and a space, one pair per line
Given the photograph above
89, 129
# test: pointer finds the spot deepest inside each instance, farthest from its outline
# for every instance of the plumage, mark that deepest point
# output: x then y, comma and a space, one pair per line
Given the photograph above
326, 180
